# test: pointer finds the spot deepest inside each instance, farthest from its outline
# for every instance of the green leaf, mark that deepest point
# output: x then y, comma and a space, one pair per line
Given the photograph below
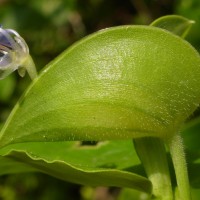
191, 10
122, 82
174, 23
89, 165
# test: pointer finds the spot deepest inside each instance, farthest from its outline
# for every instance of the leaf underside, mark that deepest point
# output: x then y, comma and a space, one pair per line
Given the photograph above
70, 161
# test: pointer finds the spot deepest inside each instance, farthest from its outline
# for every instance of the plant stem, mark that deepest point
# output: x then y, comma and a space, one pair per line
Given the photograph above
178, 158
153, 156
29, 65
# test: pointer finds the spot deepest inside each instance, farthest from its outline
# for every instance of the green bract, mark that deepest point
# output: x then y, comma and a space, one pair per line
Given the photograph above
174, 23
123, 82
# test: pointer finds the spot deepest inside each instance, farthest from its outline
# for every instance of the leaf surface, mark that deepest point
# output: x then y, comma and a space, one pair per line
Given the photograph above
119, 83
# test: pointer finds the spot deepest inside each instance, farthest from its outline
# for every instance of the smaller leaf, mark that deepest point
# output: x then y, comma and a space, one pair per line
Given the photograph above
111, 163
176, 24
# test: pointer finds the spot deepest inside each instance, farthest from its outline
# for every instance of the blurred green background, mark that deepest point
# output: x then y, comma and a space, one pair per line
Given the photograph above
49, 27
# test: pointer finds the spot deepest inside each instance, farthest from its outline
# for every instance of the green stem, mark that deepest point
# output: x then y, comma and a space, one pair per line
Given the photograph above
29, 66
178, 158
153, 156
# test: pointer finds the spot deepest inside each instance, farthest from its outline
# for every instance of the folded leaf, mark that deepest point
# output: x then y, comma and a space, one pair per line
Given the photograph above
107, 163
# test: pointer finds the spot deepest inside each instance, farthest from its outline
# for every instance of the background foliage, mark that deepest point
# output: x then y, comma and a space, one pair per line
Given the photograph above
49, 27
